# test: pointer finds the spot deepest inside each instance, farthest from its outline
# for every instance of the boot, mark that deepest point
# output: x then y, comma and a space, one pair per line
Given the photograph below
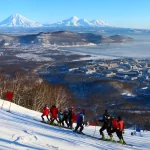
111, 138
121, 141
103, 138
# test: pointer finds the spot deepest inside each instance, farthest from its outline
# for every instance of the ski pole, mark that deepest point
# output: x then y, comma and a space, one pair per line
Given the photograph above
95, 129
9, 107
2, 105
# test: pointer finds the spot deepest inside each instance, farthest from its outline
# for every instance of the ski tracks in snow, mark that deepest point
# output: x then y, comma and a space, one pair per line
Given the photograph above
24, 137
27, 136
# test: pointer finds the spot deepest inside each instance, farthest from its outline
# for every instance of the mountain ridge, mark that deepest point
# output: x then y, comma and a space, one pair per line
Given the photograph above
61, 38
17, 20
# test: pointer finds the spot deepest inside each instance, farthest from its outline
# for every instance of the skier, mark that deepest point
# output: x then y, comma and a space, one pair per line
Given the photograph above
65, 117
60, 116
80, 122
120, 131
70, 117
54, 114
114, 127
107, 123
45, 113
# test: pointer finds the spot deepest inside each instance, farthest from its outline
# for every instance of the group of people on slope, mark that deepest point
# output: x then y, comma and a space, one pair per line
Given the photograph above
66, 116
112, 125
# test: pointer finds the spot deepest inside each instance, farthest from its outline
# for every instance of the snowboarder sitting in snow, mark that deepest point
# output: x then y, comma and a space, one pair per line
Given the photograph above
80, 122
107, 123
54, 114
45, 113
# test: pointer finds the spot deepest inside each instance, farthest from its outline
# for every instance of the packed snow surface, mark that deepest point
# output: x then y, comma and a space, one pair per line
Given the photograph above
20, 131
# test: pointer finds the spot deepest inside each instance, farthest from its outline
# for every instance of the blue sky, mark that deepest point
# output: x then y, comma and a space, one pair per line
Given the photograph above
121, 13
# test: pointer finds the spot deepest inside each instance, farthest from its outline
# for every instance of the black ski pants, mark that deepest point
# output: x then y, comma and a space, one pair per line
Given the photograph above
70, 123
103, 128
43, 117
118, 132
65, 119
79, 125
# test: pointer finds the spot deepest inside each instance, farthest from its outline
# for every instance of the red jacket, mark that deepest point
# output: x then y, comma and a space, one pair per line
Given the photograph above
54, 112
115, 124
121, 125
75, 116
45, 111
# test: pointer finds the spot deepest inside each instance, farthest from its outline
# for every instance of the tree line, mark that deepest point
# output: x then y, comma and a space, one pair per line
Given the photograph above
34, 93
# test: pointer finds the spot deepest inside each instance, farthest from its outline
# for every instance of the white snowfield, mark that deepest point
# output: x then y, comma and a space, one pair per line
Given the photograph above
19, 131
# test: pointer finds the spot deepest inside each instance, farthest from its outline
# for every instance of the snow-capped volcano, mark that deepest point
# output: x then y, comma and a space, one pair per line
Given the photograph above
73, 21
98, 23
76, 22
16, 20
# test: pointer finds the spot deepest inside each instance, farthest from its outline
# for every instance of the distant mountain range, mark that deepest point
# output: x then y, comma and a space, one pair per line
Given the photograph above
76, 22
17, 20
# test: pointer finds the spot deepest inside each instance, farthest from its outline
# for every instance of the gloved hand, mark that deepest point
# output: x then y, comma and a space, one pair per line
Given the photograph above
123, 132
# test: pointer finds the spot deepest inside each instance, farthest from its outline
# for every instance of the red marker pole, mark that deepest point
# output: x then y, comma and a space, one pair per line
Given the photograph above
9, 97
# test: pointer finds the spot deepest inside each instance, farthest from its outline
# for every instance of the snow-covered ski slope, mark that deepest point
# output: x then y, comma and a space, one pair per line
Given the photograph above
19, 131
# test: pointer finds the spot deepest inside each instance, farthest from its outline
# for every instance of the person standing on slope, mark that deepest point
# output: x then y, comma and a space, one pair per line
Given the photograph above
120, 131
80, 122
45, 113
65, 117
70, 117
107, 123
60, 117
114, 127
54, 114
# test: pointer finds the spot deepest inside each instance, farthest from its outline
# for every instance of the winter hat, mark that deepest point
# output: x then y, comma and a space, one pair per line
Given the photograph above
83, 111
106, 111
119, 117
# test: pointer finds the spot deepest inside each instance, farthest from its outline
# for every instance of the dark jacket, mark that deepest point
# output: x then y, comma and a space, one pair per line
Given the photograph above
80, 118
70, 113
65, 114
106, 120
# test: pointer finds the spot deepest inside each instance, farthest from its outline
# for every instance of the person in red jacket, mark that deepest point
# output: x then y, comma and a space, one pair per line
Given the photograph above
45, 112
114, 127
120, 129
54, 114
